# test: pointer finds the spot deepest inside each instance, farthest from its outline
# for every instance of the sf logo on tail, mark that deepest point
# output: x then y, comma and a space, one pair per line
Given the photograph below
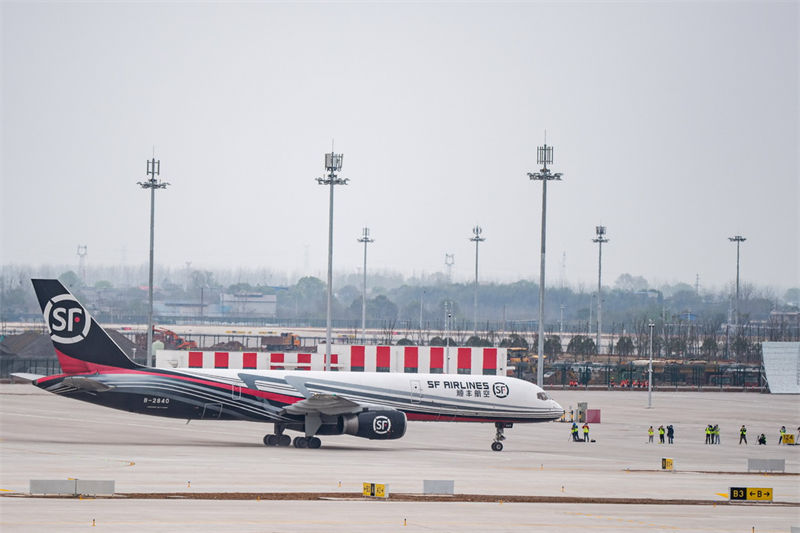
67, 320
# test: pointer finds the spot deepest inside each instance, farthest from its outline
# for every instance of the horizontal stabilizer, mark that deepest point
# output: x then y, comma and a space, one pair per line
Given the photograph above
26, 377
88, 384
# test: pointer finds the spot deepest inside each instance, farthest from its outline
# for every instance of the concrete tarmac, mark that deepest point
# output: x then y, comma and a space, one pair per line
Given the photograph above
43, 436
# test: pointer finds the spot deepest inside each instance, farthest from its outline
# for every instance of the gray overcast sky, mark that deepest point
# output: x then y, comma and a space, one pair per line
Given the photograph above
675, 125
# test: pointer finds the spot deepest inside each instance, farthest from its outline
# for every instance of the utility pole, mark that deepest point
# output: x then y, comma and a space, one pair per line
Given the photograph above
153, 170
738, 239
421, 297
651, 325
477, 239
600, 239
333, 164
366, 240
544, 155
447, 316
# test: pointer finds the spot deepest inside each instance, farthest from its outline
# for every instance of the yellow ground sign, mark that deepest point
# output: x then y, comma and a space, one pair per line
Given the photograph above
666, 463
375, 490
751, 494
788, 438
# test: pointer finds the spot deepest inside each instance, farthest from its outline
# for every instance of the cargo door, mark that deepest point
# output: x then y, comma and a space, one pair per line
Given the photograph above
416, 391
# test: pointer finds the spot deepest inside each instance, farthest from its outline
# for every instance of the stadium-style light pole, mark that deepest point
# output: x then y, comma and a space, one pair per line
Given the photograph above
544, 155
366, 240
477, 239
738, 239
333, 164
153, 170
650, 325
600, 239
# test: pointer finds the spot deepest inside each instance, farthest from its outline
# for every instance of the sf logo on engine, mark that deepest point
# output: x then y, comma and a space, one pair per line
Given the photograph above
381, 425
67, 320
500, 390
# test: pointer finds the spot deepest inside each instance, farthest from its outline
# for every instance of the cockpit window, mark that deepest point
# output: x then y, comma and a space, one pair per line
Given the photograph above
542, 396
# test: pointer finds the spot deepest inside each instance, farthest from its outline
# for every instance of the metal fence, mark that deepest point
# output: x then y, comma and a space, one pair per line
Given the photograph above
30, 365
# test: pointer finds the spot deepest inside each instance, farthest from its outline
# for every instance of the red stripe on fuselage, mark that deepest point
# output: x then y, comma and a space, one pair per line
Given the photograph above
83, 368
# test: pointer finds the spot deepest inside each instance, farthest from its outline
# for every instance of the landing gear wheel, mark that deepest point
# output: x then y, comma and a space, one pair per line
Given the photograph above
314, 442
284, 440
270, 440
300, 442
497, 446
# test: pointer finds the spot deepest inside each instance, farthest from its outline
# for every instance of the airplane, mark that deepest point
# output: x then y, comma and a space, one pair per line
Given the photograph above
367, 405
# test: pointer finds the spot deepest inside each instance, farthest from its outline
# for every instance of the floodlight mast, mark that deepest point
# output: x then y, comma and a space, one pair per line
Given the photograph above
477, 239
601, 238
544, 155
333, 164
366, 240
738, 239
153, 170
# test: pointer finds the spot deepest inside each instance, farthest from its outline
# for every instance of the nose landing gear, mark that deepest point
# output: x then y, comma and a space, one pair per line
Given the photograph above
497, 444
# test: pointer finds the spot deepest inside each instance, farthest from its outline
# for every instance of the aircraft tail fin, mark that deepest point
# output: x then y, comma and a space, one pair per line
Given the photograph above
81, 344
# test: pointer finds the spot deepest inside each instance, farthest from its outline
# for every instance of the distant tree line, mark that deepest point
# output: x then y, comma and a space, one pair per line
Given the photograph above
688, 323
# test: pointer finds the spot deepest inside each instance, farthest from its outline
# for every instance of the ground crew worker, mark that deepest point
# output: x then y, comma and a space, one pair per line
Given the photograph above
585, 432
783, 432
762, 439
661, 432
715, 432
743, 435
650, 434
670, 433
708, 434
574, 431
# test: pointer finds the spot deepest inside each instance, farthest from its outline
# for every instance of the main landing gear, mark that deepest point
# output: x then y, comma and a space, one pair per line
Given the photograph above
307, 442
278, 439
283, 440
497, 445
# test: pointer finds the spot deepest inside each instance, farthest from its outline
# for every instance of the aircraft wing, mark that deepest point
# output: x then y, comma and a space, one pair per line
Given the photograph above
326, 404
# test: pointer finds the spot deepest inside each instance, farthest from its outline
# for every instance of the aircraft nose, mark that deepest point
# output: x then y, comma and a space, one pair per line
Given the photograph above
557, 407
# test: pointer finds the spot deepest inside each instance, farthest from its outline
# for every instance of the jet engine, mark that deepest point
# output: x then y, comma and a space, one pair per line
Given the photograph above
382, 425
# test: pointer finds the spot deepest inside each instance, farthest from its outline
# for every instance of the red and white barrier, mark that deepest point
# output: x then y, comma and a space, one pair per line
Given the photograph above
357, 358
